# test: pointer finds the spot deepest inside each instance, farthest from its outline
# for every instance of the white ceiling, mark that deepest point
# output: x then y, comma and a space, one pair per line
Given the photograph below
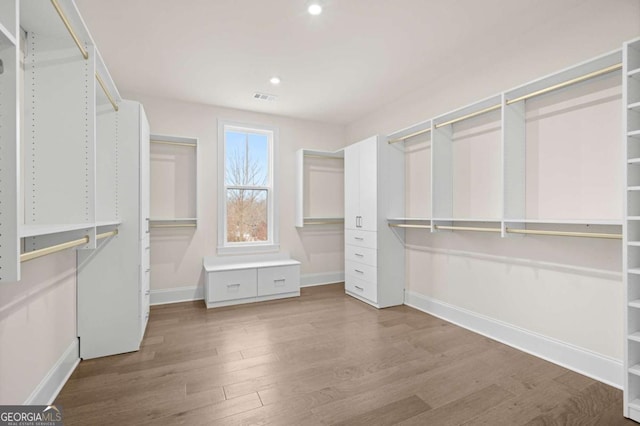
355, 57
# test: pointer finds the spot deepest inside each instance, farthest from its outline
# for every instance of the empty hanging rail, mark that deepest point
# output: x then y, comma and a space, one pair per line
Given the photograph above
82, 49
561, 85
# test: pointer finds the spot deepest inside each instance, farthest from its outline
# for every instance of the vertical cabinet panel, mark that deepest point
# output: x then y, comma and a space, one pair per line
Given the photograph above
9, 139
113, 281
368, 178
351, 186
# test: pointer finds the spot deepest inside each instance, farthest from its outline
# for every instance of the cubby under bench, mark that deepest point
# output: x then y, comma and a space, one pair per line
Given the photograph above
247, 279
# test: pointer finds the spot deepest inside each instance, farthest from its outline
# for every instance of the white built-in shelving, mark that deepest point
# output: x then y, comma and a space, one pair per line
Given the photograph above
76, 176
631, 227
69, 149
9, 142
486, 159
319, 188
174, 177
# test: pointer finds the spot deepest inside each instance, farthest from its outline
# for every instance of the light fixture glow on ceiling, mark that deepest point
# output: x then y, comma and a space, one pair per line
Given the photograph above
274, 80
315, 9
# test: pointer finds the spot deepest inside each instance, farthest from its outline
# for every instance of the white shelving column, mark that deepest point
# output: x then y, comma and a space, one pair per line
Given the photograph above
631, 227
173, 161
59, 143
9, 143
303, 189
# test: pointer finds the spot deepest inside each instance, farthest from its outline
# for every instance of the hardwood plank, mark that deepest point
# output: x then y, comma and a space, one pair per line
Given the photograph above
390, 414
463, 409
325, 358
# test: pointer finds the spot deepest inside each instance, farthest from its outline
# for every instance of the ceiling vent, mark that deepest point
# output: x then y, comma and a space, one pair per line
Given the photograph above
264, 97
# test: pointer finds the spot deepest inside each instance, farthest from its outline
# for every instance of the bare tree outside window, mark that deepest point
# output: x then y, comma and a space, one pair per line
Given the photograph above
247, 186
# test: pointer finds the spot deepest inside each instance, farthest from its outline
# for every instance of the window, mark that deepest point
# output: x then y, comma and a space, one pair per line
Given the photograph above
246, 201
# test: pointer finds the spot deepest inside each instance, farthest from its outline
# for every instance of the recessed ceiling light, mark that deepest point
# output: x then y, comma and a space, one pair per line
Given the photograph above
274, 80
315, 9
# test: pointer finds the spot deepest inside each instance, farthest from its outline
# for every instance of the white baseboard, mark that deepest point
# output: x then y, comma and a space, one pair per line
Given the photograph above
176, 295
51, 385
310, 280
598, 367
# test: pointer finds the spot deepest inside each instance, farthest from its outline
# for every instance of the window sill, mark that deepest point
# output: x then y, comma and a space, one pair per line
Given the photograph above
249, 249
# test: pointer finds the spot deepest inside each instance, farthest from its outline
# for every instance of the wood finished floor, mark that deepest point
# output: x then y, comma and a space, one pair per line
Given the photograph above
326, 358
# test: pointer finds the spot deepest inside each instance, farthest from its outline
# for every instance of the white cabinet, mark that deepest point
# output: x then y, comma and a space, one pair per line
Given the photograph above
247, 279
374, 254
361, 185
113, 281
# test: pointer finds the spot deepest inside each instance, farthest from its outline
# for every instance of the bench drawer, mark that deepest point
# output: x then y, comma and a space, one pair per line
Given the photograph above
231, 285
278, 279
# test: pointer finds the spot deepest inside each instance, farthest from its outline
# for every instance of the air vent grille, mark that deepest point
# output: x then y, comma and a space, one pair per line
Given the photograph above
264, 97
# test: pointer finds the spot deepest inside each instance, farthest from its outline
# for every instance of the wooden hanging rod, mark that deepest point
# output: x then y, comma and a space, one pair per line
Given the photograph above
566, 83
410, 135
24, 257
67, 24
309, 221
470, 115
174, 225
107, 234
582, 78
564, 233
326, 157
191, 145
466, 228
407, 225
106, 92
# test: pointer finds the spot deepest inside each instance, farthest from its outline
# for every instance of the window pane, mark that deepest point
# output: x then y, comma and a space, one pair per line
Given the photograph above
246, 159
247, 215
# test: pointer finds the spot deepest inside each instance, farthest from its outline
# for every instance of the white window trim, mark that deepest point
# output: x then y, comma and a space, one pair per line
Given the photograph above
273, 244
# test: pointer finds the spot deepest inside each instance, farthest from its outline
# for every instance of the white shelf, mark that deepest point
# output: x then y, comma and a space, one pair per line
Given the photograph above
173, 219
37, 230
633, 161
633, 217
635, 105
635, 271
635, 336
635, 370
633, 133
108, 223
633, 188
635, 404
470, 219
634, 243
611, 222
635, 303
634, 73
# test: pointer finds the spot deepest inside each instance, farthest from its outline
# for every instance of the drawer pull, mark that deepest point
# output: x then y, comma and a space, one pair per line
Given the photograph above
359, 254
146, 293
233, 285
359, 238
279, 282
359, 271
148, 270
360, 288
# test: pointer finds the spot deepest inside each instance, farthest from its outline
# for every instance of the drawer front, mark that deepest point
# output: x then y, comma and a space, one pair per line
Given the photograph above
362, 288
278, 279
361, 238
231, 285
361, 271
365, 255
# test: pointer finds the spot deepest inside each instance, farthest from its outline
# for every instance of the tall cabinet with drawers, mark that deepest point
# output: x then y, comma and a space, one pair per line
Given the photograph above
113, 280
374, 253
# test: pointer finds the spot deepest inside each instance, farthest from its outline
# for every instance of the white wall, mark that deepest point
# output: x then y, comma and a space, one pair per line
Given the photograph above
176, 254
37, 324
567, 289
